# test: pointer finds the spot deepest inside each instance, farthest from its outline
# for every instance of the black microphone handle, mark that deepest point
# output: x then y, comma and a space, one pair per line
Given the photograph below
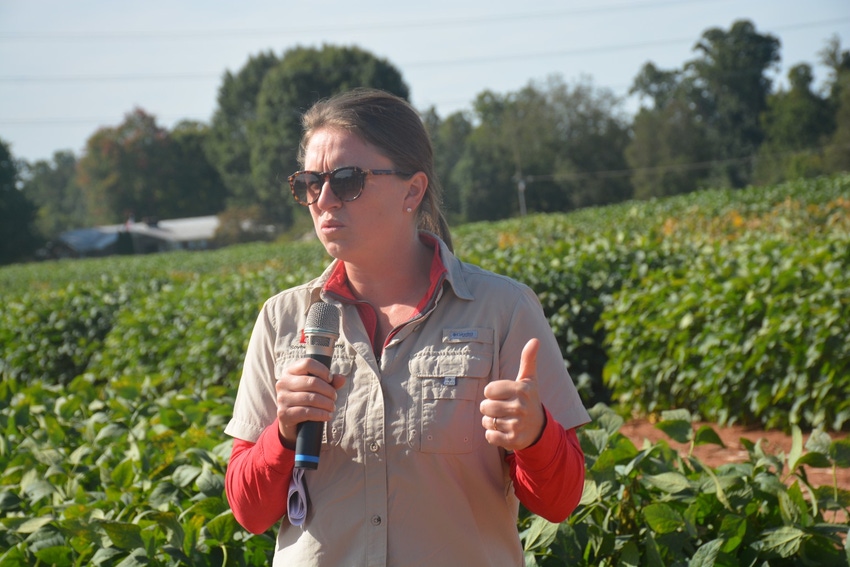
308, 442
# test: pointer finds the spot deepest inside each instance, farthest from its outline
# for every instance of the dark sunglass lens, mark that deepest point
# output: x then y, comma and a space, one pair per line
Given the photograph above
347, 183
307, 187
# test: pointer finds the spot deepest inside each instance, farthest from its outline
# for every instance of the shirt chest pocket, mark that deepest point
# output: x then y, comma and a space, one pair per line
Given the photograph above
449, 386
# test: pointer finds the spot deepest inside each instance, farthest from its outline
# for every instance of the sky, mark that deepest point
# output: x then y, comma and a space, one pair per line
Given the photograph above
68, 68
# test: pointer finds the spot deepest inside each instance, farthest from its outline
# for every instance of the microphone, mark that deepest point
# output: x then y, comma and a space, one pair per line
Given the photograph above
320, 334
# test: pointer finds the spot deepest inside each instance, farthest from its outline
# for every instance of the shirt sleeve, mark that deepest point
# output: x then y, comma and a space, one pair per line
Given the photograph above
257, 480
548, 476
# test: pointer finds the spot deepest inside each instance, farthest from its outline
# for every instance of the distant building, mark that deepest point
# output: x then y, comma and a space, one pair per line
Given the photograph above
195, 233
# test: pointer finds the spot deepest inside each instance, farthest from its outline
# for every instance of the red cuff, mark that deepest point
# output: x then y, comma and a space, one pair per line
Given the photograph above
548, 476
541, 454
274, 454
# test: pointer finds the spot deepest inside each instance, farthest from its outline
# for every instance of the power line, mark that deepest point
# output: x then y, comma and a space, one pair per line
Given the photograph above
692, 166
359, 26
454, 61
108, 78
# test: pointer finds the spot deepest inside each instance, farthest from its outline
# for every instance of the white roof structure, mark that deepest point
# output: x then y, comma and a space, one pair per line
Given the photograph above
192, 232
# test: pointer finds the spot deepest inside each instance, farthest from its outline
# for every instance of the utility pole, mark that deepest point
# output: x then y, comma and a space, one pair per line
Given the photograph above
520, 187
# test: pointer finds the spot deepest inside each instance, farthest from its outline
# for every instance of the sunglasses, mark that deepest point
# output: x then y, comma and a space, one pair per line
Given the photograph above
346, 183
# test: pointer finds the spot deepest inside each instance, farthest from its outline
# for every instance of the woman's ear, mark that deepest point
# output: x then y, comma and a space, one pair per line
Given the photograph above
416, 187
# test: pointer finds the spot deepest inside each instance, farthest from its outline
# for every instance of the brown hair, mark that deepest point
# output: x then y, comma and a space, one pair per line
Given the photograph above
393, 126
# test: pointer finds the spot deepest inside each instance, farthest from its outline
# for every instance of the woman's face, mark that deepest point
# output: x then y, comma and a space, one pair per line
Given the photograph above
370, 227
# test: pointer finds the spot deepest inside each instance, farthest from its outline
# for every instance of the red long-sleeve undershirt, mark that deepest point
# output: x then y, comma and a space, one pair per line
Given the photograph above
548, 476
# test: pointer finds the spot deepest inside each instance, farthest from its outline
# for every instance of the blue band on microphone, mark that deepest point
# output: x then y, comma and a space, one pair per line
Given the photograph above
306, 458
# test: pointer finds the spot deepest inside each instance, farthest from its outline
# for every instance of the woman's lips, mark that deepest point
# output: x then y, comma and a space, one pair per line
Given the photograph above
331, 225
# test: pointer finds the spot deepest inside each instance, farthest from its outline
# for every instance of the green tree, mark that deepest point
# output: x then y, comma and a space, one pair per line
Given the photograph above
142, 170
837, 153
449, 138
52, 186
483, 173
667, 150
728, 87
227, 146
128, 170
796, 123
591, 135
18, 239
201, 190
838, 63
303, 76
553, 144
668, 143
658, 85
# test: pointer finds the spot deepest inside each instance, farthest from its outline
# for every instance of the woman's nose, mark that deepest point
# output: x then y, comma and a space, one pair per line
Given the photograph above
327, 198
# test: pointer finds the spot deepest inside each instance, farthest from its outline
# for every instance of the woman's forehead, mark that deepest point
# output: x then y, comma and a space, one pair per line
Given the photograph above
331, 147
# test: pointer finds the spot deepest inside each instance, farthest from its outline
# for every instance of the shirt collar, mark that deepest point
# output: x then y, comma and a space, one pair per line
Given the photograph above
337, 282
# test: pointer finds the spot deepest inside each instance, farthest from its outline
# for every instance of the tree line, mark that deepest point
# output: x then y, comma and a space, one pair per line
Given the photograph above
717, 121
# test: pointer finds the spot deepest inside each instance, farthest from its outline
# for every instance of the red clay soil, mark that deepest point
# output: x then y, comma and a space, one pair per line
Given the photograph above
713, 455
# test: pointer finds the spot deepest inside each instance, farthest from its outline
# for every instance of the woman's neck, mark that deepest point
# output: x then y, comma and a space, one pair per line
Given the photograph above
400, 279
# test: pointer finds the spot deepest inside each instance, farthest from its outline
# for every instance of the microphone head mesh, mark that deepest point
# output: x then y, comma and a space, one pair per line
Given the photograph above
322, 317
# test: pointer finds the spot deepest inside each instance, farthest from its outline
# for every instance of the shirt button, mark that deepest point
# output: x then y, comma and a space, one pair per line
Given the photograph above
373, 447
376, 520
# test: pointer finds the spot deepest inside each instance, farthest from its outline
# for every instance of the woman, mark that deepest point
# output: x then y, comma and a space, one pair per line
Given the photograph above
435, 429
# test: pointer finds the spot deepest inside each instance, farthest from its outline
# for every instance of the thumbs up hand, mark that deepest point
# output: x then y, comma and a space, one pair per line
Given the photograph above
513, 413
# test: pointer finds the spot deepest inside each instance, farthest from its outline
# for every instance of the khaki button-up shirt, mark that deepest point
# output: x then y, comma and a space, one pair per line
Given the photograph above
406, 476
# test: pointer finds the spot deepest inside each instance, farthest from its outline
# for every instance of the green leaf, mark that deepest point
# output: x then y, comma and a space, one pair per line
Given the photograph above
208, 508
110, 431
224, 526
540, 534
677, 429
733, 528
610, 422
185, 475
38, 490
816, 460
839, 451
718, 488
653, 554
706, 435
123, 535
590, 493
671, 482
677, 415
9, 500
138, 558
595, 441
784, 541
620, 450
819, 442
796, 447
210, 483
104, 555
663, 518
57, 556
706, 555
32, 525
164, 493
847, 546
123, 475
630, 555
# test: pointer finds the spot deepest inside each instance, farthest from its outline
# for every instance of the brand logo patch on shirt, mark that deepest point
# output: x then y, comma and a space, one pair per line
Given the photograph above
463, 335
